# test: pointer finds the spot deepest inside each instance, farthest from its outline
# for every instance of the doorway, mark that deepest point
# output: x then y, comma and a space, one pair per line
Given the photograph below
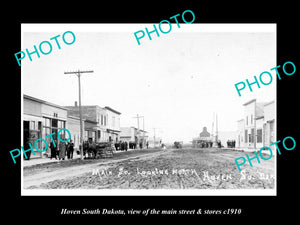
25, 134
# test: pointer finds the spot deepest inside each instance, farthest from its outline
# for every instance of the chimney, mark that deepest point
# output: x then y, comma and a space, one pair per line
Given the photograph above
75, 103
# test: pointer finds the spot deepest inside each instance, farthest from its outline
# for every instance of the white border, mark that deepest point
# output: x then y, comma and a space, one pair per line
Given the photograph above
131, 28
150, 192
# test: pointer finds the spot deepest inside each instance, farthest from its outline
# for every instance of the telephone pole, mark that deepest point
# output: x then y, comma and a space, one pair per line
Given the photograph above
138, 124
217, 133
78, 73
154, 128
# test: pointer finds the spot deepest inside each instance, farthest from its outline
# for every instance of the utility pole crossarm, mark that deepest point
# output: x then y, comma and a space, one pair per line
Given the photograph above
79, 71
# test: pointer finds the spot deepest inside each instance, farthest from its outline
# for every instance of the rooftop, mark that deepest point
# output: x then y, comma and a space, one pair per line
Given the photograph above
42, 101
94, 106
115, 111
259, 111
247, 103
268, 103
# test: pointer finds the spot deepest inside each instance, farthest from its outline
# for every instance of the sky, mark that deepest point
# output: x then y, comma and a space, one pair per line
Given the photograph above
176, 81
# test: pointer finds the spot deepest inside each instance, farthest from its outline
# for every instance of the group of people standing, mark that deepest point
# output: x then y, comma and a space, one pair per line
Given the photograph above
231, 144
205, 144
124, 145
61, 150
121, 145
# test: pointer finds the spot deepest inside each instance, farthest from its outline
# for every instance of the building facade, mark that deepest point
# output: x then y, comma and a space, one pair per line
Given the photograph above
257, 128
133, 135
204, 137
73, 125
240, 133
41, 118
113, 124
154, 142
101, 124
269, 124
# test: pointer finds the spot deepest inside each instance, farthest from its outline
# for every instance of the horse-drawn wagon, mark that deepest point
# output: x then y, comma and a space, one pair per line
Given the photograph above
98, 150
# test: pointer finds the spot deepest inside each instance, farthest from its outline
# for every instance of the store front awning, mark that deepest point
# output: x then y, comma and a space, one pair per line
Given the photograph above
113, 131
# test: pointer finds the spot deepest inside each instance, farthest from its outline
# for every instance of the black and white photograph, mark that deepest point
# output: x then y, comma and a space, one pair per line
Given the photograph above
146, 111
186, 112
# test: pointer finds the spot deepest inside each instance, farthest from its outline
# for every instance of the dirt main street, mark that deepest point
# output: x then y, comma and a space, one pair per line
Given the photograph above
155, 169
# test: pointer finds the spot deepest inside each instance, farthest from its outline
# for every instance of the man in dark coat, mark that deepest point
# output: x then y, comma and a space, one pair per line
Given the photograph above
122, 145
53, 150
126, 146
70, 149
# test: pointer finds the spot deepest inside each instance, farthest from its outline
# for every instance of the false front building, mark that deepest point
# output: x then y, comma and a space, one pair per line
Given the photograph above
132, 135
257, 128
41, 118
101, 124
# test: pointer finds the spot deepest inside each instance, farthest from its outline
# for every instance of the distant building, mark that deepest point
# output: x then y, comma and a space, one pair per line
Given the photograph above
133, 135
154, 142
257, 127
204, 137
128, 134
204, 134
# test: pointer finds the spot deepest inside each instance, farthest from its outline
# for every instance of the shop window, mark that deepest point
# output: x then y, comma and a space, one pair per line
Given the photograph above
252, 136
61, 124
32, 125
246, 136
259, 135
54, 122
46, 131
47, 122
